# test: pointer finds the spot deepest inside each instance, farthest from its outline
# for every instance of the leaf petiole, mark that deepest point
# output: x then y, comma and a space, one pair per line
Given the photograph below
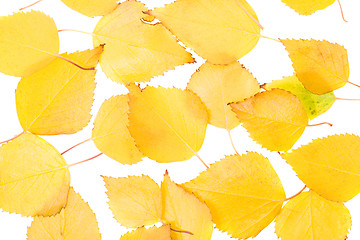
76, 146
30, 5
11, 138
297, 194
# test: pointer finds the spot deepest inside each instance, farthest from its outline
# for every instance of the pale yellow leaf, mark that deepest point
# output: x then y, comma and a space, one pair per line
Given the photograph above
34, 179
311, 217
134, 201
75, 222
154, 233
92, 8
275, 119
221, 31
321, 66
329, 166
168, 125
244, 194
218, 85
28, 42
58, 98
307, 7
184, 212
136, 51
111, 134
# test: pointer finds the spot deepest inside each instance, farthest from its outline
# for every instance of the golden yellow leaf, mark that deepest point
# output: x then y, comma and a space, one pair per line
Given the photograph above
58, 98
307, 7
321, 66
92, 8
154, 233
275, 119
220, 31
134, 201
34, 179
329, 166
29, 41
75, 222
244, 194
314, 104
184, 212
136, 51
218, 85
311, 217
168, 125
111, 134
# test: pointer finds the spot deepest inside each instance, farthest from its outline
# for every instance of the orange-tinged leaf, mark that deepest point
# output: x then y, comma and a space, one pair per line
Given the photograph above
218, 85
136, 51
58, 98
244, 194
321, 66
92, 8
329, 166
308, 7
220, 31
75, 222
168, 125
275, 119
184, 212
28, 42
34, 179
134, 201
111, 134
154, 233
310, 217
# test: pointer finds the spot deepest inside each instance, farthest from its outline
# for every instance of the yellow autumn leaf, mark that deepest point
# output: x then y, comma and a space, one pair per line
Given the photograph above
307, 7
134, 201
136, 51
168, 125
219, 31
184, 212
34, 179
218, 85
75, 222
244, 194
58, 98
92, 8
329, 166
275, 119
311, 217
30, 41
111, 134
154, 233
321, 66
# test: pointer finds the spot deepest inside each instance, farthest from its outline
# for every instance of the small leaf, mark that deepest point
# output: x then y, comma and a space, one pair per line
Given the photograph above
329, 166
275, 119
168, 125
34, 179
314, 104
134, 201
218, 85
75, 222
221, 32
92, 8
308, 7
111, 134
154, 233
310, 217
58, 98
244, 194
29, 41
321, 66
184, 212
136, 51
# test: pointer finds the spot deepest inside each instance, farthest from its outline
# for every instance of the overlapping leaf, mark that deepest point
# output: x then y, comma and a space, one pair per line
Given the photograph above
218, 85
244, 194
307, 7
136, 51
161, 233
92, 8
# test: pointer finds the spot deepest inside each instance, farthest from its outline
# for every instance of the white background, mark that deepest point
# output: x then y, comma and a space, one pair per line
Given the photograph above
268, 61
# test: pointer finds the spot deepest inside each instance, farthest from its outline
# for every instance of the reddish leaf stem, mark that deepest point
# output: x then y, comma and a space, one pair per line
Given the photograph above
354, 84
76, 146
297, 194
202, 161
250, 16
341, 10
190, 233
11, 138
83, 161
75, 64
318, 124
232, 142
30, 5
348, 99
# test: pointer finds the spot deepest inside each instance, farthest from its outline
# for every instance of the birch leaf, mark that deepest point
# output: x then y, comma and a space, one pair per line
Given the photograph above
161, 233
92, 8
308, 7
